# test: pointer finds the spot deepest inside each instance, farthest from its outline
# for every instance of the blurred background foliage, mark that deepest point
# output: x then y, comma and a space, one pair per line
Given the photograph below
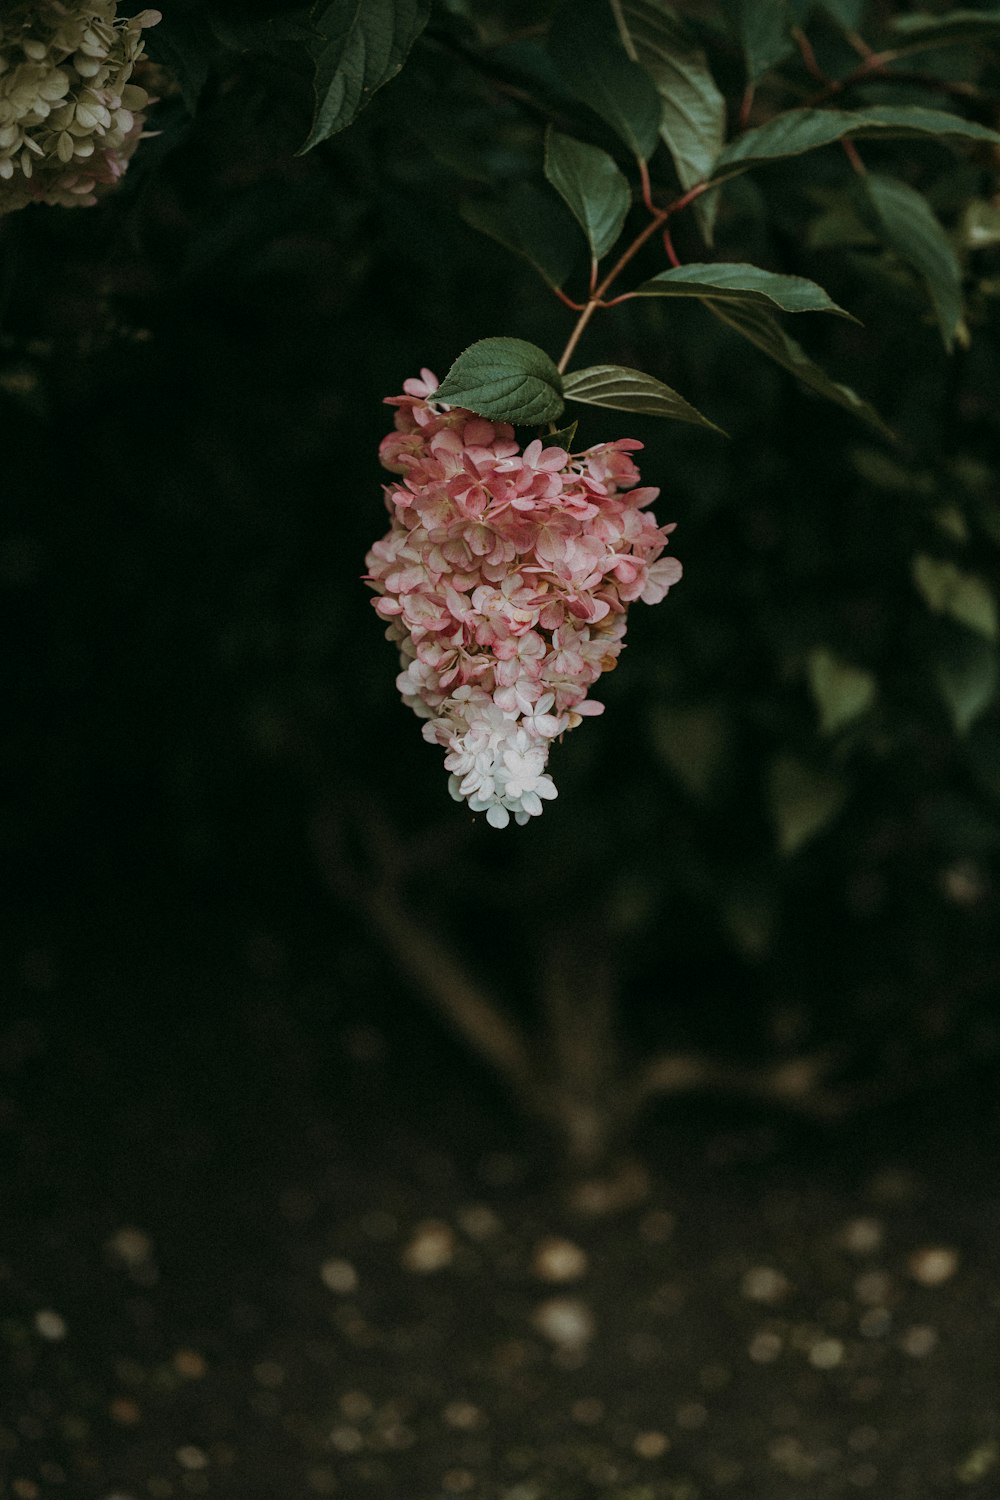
789, 814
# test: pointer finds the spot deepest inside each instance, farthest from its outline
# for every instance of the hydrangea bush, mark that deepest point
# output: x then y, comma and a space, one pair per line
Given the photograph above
781, 219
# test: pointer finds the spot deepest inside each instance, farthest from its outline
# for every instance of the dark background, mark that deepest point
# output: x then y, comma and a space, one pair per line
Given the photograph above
198, 1040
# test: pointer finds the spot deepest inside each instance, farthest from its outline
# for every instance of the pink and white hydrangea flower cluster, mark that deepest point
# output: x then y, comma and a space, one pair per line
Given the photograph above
504, 579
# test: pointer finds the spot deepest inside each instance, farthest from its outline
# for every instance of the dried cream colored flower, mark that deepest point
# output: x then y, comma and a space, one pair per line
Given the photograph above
69, 117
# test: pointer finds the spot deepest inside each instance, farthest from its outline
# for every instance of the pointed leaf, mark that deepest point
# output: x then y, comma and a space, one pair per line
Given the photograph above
803, 801
764, 330
531, 224
693, 111
919, 31
594, 67
967, 677
358, 48
800, 130
843, 692
596, 193
904, 220
507, 380
737, 282
846, 13
763, 32
964, 596
630, 390
562, 438
692, 743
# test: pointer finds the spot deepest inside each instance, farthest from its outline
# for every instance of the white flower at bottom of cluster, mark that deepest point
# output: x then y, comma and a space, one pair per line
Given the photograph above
499, 769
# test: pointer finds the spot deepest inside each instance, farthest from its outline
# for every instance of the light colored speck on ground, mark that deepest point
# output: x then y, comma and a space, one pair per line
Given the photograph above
339, 1276
558, 1260
862, 1236
478, 1221
566, 1321
650, 1444
431, 1248
191, 1457
933, 1265
50, 1325
826, 1354
765, 1284
765, 1346
463, 1416
918, 1340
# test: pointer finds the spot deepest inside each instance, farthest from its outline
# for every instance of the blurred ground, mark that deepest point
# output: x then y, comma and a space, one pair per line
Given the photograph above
257, 1243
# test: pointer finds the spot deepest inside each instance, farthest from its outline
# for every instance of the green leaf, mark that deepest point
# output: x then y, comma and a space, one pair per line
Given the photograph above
967, 676
963, 596
800, 130
920, 30
562, 438
596, 193
630, 390
803, 801
507, 380
981, 225
725, 281
763, 32
359, 47
693, 111
845, 13
594, 67
764, 330
842, 692
904, 220
691, 742
531, 224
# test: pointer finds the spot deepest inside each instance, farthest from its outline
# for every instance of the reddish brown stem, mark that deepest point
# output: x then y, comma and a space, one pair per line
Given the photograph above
668, 246
851, 152
808, 55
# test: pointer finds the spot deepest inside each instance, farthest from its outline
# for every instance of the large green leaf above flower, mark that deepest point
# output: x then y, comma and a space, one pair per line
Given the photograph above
507, 380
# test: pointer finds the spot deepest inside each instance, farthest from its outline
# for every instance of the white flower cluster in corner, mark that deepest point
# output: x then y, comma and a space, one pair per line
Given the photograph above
69, 117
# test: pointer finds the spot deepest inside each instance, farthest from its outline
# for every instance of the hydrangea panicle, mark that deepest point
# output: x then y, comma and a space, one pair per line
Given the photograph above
69, 117
504, 579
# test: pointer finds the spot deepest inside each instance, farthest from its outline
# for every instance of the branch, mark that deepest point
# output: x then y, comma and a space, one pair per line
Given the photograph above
429, 963
796, 1083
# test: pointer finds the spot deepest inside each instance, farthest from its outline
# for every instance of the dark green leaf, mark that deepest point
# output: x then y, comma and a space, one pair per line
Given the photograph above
692, 743
531, 224
803, 801
964, 596
966, 673
594, 67
596, 193
920, 30
846, 13
693, 111
762, 329
763, 32
562, 438
843, 692
358, 48
736, 282
801, 130
630, 390
904, 220
507, 380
